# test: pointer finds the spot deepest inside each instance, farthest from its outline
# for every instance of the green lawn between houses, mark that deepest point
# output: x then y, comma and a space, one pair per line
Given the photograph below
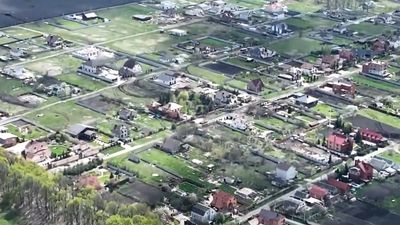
206, 74
381, 117
82, 81
370, 29
392, 155
58, 149
35, 133
369, 82
296, 46
326, 110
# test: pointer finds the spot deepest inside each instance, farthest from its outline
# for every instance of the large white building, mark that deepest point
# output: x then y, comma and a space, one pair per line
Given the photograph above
285, 171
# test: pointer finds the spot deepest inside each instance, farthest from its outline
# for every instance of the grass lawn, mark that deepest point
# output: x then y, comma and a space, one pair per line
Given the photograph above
326, 110
251, 4
308, 22
13, 87
60, 64
248, 176
59, 149
296, 46
172, 163
212, 42
82, 81
206, 74
305, 118
237, 84
67, 24
152, 123
158, 135
381, 117
35, 133
391, 155
5, 40
341, 41
277, 123
373, 83
305, 6
370, 29
60, 116
146, 172
112, 150
20, 33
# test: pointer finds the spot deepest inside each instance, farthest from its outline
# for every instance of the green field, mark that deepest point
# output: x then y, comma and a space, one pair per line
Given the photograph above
296, 46
5, 40
274, 122
326, 110
152, 123
20, 33
67, 24
251, 4
370, 29
212, 42
60, 64
35, 133
82, 81
237, 84
172, 164
59, 149
60, 116
206, 74
381, 117
392, 155
308, 22
13, 87
304, 6
112, 150
369, 82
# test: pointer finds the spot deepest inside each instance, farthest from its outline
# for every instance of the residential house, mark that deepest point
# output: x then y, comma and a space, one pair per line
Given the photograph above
54, 41
381, 46
224, 201
361, 172
18, 53
279, 29
178, 32
379, 164
172, 145
84, 150
165, 80
202, 214
225, 98
384, 18
82, 132
375, 68
89, 16
285, 171
267, 217
127, 114
261, 52
172, 110
236, 123
318, 192
363, 54
307, 101
88, 53
373, 136
36, 151
340, 143
194, 11
121, 132
8, 140
255, 85
343, 88
348, 56
341, 186
246, 193
308, 69
131, 68
333, 62
340, 29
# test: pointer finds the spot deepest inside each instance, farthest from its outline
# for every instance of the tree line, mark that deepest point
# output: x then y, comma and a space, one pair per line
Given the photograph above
44, 198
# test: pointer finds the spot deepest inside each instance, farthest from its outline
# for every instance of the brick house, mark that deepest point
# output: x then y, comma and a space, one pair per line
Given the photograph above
340, 143
37, 151
372, 136
267, 217
381, 46
172, 110
375, 68
347, 55
332, 61
318, 192
224, 201
362, 171
341, 186
342, 88
255, 86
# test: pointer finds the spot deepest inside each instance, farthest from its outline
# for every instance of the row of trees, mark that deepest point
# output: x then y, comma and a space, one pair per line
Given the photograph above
44, 198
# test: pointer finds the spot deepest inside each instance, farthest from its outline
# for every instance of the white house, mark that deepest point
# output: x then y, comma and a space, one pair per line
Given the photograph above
165, 80
285, 171
202, 214
178, 32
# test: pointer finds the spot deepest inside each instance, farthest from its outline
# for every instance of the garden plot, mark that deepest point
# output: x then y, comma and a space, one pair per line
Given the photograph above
297, 46
365, 29
20, 33
326, 110
62, 64
371, 122
380, 117
102, 104
275, 124
374, 83
142, 192
60, 116
66, 24
308, 22
25, 130
392, 155
307, 6
6, 40
243, 62
32, 49
206, 74
146, 172
13, 87
226, 69
82, 81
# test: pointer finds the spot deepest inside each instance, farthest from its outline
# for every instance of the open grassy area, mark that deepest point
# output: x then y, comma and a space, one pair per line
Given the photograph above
13, 87
67, 24
296, 46
146, 172
34, 133
206, 74
326, 110
274, 122
60, 116
152, 123
60, 64
370, 29
20, 33
237, 84
392, 155
5, 40
212, 42
381, 117
373, 83
251, 4
112, 150
82, 81
172, 164
308, 22
304, 6
58, 149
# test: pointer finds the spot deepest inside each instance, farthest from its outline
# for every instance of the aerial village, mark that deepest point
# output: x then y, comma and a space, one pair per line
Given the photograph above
215, 112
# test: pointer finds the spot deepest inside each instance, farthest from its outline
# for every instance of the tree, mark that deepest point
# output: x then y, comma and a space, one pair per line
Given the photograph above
324, 141
358, 137
347, 128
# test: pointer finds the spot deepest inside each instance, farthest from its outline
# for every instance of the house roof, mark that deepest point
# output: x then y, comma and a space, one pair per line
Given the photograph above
338, 139
165, 78
76, 129
306, 99
4, 136
171, 145
172, 106
371, 134
130, 63
220, 199
126, 113
200, 209
317, 190
90, 15
53, 38
283, 166
338, 184
363, 166
269, 215
257, 82
379, 164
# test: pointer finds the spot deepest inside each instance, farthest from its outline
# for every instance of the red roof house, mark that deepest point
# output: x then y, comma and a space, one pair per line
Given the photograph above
267, 217
341, 186
224, 201
341, 88
318, 192
372, 136
347, 55
37, 151
340, 143
362, 171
